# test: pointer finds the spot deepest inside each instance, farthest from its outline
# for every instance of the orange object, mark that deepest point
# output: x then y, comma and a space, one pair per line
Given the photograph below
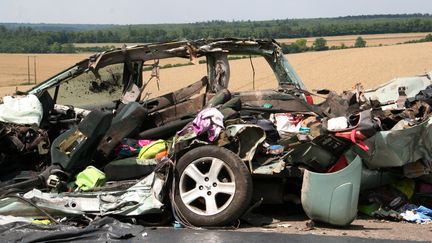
161, 154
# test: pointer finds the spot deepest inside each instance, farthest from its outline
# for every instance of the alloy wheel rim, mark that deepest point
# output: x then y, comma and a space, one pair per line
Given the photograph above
207, 186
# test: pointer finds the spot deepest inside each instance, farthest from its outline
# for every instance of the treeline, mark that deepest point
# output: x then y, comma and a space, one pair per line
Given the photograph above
428, 38
28, 39
320, 44
58, 27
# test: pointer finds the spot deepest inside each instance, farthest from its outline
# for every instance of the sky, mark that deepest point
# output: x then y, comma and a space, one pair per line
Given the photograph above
189, 11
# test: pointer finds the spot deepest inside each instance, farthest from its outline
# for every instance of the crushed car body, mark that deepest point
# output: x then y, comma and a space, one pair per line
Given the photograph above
90, 141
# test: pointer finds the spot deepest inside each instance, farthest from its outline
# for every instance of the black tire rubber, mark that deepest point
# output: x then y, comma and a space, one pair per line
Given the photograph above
243, 181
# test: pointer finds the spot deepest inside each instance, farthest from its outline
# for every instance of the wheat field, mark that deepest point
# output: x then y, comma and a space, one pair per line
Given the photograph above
337, 70
371, 40
348, 40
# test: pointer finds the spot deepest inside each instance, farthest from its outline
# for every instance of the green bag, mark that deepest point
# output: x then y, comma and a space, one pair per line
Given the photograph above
89, 178
150, 151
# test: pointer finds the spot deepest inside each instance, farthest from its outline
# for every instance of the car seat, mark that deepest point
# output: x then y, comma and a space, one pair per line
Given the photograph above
73, 150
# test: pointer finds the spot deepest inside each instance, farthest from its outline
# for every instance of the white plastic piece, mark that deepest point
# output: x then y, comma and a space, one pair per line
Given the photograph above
25, 110
337, 123
285, 123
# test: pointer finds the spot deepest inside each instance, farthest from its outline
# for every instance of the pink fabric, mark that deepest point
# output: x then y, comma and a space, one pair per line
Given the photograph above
144, 142
209, 120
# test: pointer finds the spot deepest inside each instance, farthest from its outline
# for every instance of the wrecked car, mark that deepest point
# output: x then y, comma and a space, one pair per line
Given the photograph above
90, 141
90, 109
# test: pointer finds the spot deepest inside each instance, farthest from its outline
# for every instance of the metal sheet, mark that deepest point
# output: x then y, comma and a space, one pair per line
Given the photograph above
399, 147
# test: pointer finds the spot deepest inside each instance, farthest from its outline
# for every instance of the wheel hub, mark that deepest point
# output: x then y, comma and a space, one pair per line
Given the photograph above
207, 186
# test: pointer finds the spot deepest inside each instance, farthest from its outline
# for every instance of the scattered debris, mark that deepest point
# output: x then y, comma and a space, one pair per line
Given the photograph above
310, 225
284, 225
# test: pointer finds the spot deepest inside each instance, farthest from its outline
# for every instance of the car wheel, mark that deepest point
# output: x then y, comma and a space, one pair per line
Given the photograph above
213, 186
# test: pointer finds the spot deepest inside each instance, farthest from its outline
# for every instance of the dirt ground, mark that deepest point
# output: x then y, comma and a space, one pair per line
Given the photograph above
291, 219
362, 227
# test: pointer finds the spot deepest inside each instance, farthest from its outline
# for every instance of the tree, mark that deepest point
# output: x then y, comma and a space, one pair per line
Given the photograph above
68, 48
320, 44
55, 47
301, 44
360, 42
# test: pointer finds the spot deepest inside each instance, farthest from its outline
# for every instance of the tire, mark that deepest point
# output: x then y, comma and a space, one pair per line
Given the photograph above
213, 186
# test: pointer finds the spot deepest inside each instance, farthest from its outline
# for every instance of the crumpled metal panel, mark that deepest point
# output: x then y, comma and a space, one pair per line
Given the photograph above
388, 92
249, 137
7, 219
399, 147
144, 197
55, 204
